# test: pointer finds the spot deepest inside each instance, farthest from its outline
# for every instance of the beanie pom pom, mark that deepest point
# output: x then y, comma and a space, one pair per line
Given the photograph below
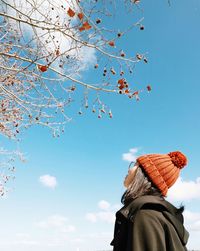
178, 159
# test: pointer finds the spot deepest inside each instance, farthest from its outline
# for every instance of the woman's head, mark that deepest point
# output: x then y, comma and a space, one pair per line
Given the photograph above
153, 173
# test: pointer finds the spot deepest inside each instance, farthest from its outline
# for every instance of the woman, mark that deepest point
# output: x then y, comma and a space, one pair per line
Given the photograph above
147, 222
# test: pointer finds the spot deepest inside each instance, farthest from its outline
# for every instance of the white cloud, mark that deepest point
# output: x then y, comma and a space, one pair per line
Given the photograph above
53, 221
25, 239
69, 229
192, 220
22, 235
91, 217
104, 205
106, 214
131, 155
48, 181
108, 217
97, 240
77, 240
58, 222
185, 190
27, 242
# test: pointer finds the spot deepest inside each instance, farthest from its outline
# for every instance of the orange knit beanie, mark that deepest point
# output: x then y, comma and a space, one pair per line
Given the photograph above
163, 169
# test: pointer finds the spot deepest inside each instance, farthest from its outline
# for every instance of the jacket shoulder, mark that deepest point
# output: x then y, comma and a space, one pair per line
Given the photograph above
149, 217
151, 221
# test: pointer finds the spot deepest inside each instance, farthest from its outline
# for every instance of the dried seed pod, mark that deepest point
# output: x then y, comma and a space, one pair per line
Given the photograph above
111, 43
113, 71
139, 56
145, 60
98, 21
141, 27
122, 54
149, 88
72, 88
103, 110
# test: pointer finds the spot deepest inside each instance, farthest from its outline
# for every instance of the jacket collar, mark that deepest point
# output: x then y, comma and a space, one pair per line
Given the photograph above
138, 203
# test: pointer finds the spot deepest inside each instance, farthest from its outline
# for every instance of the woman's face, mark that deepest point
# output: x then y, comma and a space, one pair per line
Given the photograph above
131, 174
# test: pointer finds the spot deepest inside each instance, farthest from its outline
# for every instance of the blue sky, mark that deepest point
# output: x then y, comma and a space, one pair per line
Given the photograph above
65, 196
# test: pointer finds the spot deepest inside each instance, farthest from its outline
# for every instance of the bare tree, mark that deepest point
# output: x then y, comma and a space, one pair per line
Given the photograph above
45, 48
7, 167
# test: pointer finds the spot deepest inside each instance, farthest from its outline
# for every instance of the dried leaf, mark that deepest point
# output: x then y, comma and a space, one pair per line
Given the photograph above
121, 81
81, 28
136, 93
85, 26
42, 68
121, 87
80, 15
70, 12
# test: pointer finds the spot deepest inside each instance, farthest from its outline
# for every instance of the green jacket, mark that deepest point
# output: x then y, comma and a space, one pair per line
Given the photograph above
149, 223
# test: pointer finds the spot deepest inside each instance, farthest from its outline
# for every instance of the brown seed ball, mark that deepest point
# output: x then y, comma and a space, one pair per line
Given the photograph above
98, 21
